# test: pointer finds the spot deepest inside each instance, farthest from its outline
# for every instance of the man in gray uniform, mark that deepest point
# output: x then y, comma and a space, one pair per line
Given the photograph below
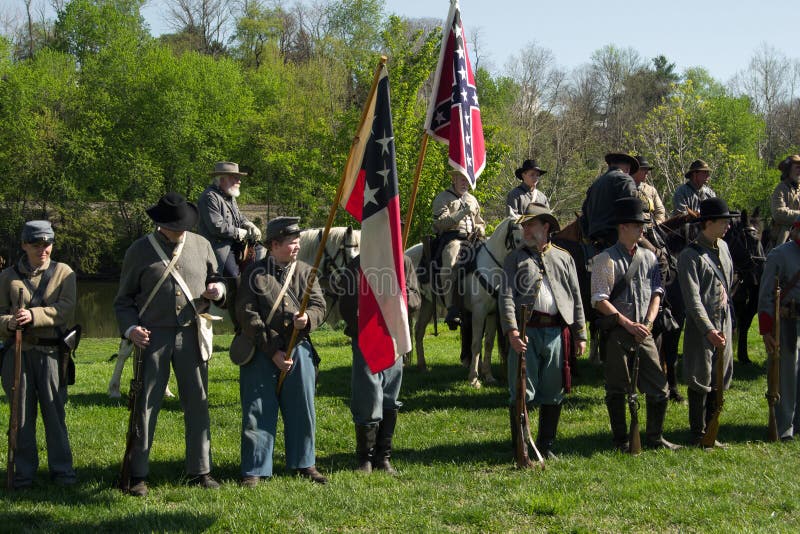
785, 202
705, 272
46, 310
526, 193
654, 212
694, 190
784, 262
267, 307
166, 331
626, 284
373, 397
456, 219
544, 276
221, 222
598, 208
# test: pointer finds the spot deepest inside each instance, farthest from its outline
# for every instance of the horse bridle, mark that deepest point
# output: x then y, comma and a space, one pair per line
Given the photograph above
328, 261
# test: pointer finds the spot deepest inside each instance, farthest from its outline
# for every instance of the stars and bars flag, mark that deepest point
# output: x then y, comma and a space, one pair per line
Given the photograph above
370, 194
454, 117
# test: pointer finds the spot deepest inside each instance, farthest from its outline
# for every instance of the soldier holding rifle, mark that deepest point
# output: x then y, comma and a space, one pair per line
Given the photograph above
783, 265
705, 274
47, 308
267, 306
157, 311
544, 276
626, 291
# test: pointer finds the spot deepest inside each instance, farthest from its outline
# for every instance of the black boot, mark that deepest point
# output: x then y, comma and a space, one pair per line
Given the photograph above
672, 380
365, 446
549, 414
383, 442
697, 415
654, 438
619, 425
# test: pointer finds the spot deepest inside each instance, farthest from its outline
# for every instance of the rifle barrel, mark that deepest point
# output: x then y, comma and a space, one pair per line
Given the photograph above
13, 423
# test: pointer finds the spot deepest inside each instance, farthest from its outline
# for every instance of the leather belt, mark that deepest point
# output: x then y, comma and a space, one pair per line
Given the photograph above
543, 320
45, 342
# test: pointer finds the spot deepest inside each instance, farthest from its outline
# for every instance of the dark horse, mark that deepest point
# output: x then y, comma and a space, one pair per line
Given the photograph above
744, 241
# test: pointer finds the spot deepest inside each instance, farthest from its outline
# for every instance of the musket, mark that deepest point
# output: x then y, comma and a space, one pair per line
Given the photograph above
774, 370
137, 384
634, 437
523, 443
712, 428
13, 423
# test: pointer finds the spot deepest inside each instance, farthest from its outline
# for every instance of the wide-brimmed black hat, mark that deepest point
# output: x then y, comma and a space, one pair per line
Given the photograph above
281, 227
527, 165
643, 164
629, 210
539, 211
621, 157
174, 213
696, 165
715, 208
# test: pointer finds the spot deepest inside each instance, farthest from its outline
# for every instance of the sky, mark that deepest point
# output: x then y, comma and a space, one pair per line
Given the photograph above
720, 36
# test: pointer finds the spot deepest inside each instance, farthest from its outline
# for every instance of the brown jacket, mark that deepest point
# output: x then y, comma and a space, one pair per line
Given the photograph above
57, 311
785, 207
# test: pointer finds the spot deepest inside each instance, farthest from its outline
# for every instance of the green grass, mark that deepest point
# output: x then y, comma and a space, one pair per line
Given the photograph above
453, 452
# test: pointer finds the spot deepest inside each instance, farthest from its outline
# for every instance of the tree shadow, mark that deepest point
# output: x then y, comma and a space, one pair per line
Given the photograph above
102, 399
141, 522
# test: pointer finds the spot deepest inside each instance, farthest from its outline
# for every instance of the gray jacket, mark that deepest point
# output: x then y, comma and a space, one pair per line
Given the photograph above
686, 196
141, 270
219, 219
521, 196
521, 271
782, 261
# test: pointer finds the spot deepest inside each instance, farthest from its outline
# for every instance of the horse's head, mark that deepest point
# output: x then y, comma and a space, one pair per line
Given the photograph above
744, 241
508, 234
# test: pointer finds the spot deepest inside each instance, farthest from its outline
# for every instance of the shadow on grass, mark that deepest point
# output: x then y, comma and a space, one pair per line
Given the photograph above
141, 522
102, 399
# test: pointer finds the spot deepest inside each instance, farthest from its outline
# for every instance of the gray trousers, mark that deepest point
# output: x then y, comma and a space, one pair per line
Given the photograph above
177, 346
544, 366
371, 394
620, 349
787, 414
39, 384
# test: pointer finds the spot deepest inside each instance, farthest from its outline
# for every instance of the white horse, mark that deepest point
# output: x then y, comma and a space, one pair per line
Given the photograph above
340, 248
480, 298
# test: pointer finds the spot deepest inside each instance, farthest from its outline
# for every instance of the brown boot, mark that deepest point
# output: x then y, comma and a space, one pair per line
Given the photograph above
312, 474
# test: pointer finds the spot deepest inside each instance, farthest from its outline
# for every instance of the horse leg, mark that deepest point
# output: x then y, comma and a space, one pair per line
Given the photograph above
744, 319
488, 345
116, 377
423, 318
473, 334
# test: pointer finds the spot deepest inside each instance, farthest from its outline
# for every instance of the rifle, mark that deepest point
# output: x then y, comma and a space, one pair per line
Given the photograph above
712, 428
13, 424
137, 383
523, 442
773, 370
634, 438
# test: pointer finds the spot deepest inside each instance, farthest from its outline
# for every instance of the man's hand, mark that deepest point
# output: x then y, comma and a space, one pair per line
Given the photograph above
214, 291
280, 361
241, 234
716, 338
253, 233
637, 330
770, 342
517, 343
20, 319
140, 337
300, 321
580, 347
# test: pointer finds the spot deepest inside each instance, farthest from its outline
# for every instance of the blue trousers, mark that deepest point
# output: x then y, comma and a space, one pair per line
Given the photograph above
258, 381
544, 362
371, 394
787, 412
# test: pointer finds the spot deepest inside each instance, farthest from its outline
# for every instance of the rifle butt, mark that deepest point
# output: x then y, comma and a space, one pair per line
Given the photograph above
772, 425
712, 430
634, 438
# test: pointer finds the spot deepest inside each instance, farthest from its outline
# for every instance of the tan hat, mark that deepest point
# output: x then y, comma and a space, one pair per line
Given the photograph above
226, 168
788, 161
697, 165
536, 210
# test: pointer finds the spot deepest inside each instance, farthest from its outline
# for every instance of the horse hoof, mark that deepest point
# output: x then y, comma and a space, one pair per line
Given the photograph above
492, 381
114, 393
422, 368
475, 383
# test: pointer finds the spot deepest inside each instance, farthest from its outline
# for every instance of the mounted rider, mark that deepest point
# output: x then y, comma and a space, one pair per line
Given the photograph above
653, 206
695, 190
458, 225
785, 202
598, 220
526, 193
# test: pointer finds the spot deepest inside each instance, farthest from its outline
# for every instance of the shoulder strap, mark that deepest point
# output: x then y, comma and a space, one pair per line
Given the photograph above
704, 255
626, 280
170, 267
281, 294
37, 295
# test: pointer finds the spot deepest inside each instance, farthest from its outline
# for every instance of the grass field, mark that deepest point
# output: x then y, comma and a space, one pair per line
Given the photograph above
453, 451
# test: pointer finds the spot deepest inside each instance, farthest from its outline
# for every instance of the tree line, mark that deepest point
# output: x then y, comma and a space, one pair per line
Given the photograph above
94, 109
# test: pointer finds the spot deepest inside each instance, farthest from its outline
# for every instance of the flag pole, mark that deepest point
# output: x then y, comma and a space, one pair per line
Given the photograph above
323, 240
413, 199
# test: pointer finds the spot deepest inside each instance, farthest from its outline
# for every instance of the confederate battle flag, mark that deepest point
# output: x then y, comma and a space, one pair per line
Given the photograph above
454, 117
370, 194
